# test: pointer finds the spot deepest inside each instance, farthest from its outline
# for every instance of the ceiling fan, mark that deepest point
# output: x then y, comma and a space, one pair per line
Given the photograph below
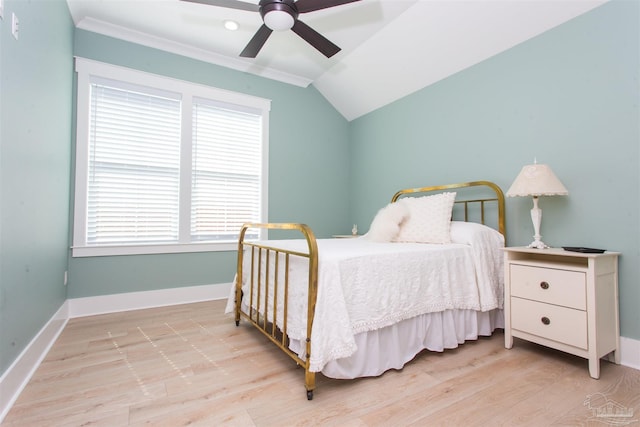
281, 15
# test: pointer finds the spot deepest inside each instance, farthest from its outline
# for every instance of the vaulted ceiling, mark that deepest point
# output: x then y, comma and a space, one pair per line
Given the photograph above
390, 48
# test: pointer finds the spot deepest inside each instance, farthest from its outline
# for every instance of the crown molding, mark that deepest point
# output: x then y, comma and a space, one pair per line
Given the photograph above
144, 39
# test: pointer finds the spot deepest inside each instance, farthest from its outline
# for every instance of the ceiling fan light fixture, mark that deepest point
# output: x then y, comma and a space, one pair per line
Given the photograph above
278, 20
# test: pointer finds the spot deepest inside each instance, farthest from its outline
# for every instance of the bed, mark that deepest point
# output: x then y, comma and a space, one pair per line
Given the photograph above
427, 275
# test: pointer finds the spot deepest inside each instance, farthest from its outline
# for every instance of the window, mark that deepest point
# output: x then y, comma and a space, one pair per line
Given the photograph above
164, 165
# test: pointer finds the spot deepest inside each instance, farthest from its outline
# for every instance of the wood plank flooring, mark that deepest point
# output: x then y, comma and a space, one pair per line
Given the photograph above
190, 365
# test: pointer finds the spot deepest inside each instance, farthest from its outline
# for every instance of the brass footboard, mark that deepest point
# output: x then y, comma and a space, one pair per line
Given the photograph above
263, 257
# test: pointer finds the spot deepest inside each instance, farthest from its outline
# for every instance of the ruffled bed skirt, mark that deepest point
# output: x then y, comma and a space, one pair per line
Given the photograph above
393, 346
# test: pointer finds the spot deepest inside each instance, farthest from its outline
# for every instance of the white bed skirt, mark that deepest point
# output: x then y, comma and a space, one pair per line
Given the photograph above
393, 346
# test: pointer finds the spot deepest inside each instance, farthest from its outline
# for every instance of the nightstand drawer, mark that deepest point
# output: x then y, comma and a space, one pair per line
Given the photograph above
559, 287
561, 324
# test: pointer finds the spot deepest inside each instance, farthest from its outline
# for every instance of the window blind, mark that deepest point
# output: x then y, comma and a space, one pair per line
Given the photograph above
226, 172
134, 166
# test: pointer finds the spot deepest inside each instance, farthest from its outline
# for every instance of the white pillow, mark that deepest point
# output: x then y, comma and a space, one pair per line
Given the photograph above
472, 233
386, 224
429, 219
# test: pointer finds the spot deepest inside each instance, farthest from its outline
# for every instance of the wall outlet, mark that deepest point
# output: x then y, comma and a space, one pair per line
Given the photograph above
66, 277
14, 26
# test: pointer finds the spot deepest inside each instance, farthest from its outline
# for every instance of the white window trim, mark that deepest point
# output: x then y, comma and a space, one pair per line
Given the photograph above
86, 68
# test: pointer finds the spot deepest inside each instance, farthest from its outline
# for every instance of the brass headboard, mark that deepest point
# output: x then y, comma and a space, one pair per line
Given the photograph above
498, 199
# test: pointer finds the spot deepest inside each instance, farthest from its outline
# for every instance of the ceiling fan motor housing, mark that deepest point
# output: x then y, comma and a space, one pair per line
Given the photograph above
278, 15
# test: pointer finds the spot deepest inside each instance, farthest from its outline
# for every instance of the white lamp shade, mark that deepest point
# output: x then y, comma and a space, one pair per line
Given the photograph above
537, 180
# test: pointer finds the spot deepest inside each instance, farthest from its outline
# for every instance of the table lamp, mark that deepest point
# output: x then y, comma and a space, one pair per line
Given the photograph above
536, 180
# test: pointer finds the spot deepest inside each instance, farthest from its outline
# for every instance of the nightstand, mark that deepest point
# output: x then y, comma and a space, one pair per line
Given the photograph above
564, 300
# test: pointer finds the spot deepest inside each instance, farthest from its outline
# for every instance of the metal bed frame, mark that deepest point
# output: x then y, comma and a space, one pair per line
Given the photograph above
260, 254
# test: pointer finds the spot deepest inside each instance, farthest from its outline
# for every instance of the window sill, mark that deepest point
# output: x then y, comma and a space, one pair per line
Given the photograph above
96, 251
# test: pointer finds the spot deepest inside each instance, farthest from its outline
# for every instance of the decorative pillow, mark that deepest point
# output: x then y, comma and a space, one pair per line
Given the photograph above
386, 224
429, 219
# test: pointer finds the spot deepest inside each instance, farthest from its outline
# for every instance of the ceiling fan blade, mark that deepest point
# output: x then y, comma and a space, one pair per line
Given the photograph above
257, 41
230, 4
304, 6
315, 39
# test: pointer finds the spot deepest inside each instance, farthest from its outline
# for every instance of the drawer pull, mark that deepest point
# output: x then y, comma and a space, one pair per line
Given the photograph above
545, 320
544, 285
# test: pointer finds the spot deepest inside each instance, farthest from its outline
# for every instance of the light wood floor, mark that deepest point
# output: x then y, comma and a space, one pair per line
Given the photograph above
190, 365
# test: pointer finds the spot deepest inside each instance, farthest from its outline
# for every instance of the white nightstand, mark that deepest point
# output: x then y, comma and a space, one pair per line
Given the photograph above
564, 300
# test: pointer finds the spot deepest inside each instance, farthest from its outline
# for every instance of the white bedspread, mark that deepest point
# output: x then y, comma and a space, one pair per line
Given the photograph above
364, 286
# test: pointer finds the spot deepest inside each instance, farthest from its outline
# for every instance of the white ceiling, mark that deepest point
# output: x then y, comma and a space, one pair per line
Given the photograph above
390, 48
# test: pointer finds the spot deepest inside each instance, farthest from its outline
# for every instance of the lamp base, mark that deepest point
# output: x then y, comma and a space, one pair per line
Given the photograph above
537, 244
536, 218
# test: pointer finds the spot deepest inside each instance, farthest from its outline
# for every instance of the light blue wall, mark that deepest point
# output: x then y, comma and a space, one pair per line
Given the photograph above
308, 170
568, 97
35, 147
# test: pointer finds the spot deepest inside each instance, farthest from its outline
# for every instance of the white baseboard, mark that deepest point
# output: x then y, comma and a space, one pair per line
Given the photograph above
91, 306
630, 352
16, 377
21, 370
